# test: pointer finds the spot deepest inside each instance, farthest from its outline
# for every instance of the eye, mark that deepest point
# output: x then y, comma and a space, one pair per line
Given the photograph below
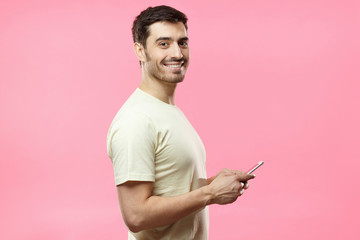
163, 44
183, 44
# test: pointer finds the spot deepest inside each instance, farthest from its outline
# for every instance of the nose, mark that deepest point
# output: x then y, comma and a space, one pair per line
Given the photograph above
176, 52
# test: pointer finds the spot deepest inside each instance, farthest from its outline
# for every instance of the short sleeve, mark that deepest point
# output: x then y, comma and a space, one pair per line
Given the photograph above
131, 147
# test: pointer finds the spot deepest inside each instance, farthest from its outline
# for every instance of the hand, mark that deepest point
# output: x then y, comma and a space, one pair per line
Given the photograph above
228, 185
240, 173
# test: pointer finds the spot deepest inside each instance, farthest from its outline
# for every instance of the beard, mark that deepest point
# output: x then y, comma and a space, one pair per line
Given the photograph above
165, 74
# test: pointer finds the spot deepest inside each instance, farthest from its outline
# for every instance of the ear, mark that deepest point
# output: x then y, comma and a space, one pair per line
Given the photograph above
140, 51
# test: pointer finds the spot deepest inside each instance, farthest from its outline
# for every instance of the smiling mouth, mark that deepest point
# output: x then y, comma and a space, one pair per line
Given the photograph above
174, 65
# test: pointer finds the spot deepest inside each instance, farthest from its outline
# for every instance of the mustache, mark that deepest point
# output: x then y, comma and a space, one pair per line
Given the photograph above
174, 60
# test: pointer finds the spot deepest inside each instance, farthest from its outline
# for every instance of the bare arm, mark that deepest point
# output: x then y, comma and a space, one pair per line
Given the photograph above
142, 211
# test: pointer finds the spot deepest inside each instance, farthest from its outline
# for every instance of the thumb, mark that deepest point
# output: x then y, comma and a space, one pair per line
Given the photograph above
243, 177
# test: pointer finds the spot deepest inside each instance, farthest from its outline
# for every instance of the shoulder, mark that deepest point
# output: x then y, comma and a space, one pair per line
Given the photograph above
132, 119
131, 126
134, 111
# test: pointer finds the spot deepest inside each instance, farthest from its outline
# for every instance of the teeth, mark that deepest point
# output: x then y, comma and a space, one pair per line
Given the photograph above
174, 66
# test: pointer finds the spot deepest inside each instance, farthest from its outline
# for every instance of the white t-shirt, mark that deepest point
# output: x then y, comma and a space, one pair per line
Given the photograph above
150, 140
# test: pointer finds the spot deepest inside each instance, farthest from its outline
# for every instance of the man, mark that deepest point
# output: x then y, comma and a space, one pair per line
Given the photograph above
158, 158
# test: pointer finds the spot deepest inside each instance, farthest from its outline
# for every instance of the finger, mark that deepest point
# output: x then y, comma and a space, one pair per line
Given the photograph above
241, 192
246, 185
242, 185
243, 177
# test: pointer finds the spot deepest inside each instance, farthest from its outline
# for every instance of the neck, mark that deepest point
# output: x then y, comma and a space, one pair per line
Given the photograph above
161, 90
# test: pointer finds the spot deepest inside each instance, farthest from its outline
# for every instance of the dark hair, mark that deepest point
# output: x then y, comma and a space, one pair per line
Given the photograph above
140, 29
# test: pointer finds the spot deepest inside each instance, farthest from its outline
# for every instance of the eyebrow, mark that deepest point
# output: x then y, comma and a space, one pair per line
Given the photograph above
170, 39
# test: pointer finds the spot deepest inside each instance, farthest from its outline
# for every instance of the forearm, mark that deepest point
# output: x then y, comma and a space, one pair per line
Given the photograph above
160, 211
142, 211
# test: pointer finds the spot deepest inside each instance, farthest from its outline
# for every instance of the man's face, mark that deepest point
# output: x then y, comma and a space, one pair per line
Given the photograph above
167, 52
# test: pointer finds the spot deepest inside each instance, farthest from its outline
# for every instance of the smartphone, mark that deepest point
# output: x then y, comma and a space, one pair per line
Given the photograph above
255, 167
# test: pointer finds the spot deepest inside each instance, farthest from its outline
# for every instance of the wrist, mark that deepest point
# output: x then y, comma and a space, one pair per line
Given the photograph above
208, 195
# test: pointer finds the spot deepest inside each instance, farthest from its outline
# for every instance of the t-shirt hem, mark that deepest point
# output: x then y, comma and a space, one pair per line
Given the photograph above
135, 177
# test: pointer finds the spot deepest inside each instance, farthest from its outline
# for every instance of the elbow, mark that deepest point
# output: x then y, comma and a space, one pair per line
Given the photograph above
135, 223
134, 228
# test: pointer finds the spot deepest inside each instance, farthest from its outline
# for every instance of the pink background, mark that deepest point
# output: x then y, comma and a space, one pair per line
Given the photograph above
276, 81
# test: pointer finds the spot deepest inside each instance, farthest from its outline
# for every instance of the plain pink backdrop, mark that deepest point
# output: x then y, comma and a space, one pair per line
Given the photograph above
276, 81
